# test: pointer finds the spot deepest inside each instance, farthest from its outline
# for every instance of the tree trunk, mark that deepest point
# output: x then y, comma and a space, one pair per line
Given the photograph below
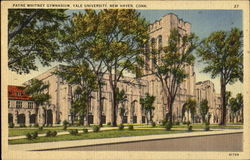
100, 103
87, 112
170, 106
223, 101
114, 106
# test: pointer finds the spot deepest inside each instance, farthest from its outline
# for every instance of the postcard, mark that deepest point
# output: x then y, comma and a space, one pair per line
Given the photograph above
125, 79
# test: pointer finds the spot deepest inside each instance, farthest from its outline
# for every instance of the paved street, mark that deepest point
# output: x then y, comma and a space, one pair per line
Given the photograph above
226, 142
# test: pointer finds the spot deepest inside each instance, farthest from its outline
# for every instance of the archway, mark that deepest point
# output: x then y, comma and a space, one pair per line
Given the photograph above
103, 119
33, 118
49, 117
21, 119
10, 118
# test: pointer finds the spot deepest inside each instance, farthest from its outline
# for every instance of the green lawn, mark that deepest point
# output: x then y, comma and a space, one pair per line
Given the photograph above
23, 131
96, 135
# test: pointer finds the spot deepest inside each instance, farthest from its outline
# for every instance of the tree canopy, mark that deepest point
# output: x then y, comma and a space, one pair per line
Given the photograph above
32, 36
147, 105
223, 56
37, 90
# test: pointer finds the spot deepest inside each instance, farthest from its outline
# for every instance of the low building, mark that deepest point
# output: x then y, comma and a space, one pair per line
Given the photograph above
21, 109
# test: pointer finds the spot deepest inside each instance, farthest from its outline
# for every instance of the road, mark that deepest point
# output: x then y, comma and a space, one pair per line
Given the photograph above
226, 142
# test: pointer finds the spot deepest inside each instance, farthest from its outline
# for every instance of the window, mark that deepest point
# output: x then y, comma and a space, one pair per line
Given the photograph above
159, 42
8, 104
30, 105
18, 93
18, 104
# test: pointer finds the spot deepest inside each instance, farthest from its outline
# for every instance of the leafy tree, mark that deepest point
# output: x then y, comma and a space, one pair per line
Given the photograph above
33, 36
222, 53
147, 105
190, 107
79, 75
204, 108
79, 41
38, 92
121, 99
236, 104
170, 69
121, 35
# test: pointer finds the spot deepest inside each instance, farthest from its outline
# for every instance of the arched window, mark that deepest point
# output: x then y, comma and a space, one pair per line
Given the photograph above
153, 43
159, 41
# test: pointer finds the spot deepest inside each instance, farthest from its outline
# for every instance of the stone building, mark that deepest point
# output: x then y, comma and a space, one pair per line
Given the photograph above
159, 32
59, 107
206, 90
21, 110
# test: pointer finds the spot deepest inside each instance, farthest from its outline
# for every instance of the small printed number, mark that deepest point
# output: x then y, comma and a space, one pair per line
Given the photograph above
234, 154
236, 6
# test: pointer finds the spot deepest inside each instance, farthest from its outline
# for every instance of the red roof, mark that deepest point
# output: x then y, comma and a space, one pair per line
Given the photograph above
17, 93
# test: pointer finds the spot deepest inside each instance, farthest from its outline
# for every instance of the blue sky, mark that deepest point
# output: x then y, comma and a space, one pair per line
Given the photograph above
203, 23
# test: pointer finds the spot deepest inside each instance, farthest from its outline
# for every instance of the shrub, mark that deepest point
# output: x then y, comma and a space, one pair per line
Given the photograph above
74, 132
153, 124
168, 126
40, 128
65, 122
85, 130
54, 133
34, 135
109, 124
130, 127
96, 128
121, 127
65, 127
22, 125
190, 128
163, 123
36, 125
28, 136
206, 128
184, 122
177, 123
48, 133
188, 123
11, 125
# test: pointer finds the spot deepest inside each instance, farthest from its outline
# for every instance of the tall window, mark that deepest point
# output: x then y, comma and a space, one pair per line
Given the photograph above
19, 104
30, 105
159, 42
8, 104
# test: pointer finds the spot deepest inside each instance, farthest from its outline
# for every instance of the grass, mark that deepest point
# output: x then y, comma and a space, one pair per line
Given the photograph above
23, 131
96, 135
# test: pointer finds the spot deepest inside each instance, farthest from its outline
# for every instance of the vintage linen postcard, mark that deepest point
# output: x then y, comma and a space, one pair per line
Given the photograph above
125, 79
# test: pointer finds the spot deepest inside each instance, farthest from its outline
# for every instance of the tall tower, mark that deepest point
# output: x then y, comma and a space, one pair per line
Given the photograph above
159, 33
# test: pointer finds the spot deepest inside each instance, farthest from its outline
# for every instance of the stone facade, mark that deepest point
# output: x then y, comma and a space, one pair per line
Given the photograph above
58, 109
206, 90
21, 110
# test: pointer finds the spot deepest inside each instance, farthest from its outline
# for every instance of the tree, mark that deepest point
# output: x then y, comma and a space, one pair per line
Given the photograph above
121, 99
121, 37
223, 56
32, 35
147, 105
204, 108
236, 104
79, 41
190, 107
37, 90
80, 76
170, 69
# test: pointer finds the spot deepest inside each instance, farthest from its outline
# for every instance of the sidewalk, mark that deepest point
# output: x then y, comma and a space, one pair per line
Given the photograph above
80, 143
